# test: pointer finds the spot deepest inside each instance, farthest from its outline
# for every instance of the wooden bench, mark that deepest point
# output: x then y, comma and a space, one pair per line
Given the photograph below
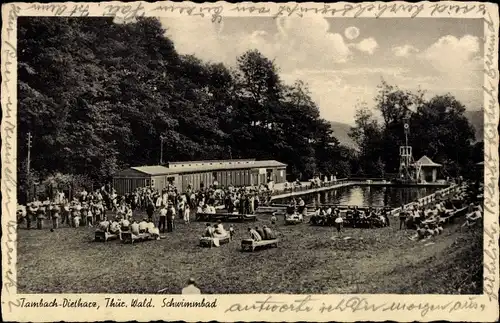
209, 242
128, 237
250, 245
294, 220
225, 217
105, 236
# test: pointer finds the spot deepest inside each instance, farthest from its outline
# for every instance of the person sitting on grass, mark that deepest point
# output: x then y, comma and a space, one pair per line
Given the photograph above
153, 231
103, 226
209, 231
134, 227
419, 234
254, 235
219, 228
76, 220
114, 227
472, 218
143, 225
273, 218
125, 224
428, 231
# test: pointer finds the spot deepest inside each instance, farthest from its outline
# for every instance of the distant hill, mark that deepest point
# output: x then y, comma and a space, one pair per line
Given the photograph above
341, 132
476, 118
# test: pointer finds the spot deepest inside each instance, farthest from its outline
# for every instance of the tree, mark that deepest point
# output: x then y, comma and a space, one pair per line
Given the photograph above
444, 133
367, 134
97, 96
396, 107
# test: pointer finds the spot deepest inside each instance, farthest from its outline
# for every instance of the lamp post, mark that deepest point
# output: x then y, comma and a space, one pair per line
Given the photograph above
162, 138
28, 166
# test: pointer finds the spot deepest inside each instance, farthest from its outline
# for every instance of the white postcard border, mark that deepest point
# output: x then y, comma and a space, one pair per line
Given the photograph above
249, 307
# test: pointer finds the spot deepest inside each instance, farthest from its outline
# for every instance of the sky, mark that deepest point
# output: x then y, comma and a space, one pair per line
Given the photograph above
344, 59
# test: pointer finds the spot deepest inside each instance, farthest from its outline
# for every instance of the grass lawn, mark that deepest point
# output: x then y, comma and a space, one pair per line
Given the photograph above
307, 261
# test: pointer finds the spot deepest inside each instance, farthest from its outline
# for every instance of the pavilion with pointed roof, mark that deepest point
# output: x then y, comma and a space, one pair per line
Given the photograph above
428, 169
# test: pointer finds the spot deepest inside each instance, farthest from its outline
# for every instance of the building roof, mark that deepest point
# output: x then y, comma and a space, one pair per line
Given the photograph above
211, 161
205, 166
152, 170
427, 162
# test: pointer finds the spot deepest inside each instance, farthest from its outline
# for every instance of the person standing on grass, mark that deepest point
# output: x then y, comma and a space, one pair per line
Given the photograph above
31, 213
180, 208
339, 223
40, 217
55, 216
150, 209
187, 213
386, 217
402, 218
170, 218
163, 219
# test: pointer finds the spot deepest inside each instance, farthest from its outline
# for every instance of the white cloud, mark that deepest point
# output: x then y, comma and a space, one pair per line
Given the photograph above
308, 50
450, 54
404, 51
368, 45
456, 63
297, 43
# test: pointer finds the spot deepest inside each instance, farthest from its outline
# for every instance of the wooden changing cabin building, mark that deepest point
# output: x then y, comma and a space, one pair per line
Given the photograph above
238, 172
428, 169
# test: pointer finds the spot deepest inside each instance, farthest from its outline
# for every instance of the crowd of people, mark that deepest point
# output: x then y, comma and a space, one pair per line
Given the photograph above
112, 213
217, 231
429, 221
353, 216
90, 208
117, 226
313, 183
